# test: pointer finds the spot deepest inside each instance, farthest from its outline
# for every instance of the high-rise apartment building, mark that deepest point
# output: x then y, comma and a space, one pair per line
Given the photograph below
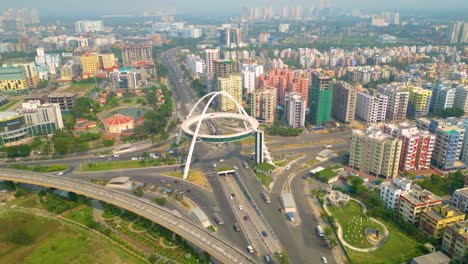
321, 93
375, 153
371, 108
461, 97
398, 97
135, 54
250, 72
196, 65
417, 146
87, 26
211, 55
264, 105
417, 200
32, 78
295, 110
233, 86
419, 101
443, 96
455, 240
344, 101
93, 63
231, 37
448, 144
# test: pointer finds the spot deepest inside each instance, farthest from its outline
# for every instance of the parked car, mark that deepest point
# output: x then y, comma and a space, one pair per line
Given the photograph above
246, 218
264, 233
240, 207
267, 259
236, 227
324, 259
60, 173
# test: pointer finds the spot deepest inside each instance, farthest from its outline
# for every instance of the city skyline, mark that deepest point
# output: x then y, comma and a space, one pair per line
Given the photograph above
55, 7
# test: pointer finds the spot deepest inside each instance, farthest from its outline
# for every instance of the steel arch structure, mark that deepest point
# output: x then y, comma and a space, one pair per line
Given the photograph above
250, 124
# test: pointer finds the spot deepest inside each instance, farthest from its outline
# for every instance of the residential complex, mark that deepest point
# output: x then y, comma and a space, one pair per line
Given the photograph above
390, 191
321, 93
417, 146
211, 55
12, 78
435, 219
417, 200
94, 63
419, 101
371, 108
196, 65
397, 104
233, 86
295, 110
250, 72
264, 105
375, 153
344, 101
127, 78
455, 240
443, 96
448, 145
134, 54
460, 200
458, 32
461, 97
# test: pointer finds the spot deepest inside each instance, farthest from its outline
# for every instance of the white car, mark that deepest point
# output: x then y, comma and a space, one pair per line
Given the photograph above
235, 167
221, 160
214, 165
240, 207
60, 173
134, 158
324, 259
288, 167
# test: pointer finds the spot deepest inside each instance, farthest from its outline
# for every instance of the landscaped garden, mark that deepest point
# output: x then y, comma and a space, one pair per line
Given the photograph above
126, 164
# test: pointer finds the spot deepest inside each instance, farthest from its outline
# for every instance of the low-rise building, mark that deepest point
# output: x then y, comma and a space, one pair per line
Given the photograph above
434, 220
417, 200
12, 78
431, 258
118, 123
455, 240
460, 199
66, 101
390, 191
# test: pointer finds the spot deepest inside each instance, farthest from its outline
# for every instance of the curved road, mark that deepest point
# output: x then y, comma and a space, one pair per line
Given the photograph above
193, 233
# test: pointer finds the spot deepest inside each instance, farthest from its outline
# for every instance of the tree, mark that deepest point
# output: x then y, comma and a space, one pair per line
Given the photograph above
18, 151
138, 192
19, 193
152, 258
332, 242
86, 108
451, 112
160, 201
72, 197
21, 237
356, 182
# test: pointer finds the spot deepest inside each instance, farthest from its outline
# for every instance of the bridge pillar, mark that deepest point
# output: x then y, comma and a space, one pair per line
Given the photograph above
259, 143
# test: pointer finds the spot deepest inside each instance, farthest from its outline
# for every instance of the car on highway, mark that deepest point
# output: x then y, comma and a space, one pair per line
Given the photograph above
221, 160
233, 195
60, 173
236, 227
264, 233
176, 181
188, 190
235, 167
324, 259
134, 158
246, 218
214, 165
288, 167
267, 258
240, 207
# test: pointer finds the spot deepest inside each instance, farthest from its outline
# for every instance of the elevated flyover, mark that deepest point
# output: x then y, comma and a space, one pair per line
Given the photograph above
197, 235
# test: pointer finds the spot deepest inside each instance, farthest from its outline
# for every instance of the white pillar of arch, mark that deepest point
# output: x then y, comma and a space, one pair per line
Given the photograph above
203, 114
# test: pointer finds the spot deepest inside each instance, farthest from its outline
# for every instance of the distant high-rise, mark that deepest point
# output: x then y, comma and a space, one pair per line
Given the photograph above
419, 102
371, 108
295, 110
231, 37
264, 105
87, 26
134, 54
250, 72
344, 101
461, 97
457, 32
320, 98
233, 86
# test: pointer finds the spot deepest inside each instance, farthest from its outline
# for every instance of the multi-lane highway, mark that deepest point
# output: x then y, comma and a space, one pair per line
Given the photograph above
197, 235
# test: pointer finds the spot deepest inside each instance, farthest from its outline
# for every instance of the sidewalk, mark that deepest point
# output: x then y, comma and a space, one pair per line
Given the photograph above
336, 251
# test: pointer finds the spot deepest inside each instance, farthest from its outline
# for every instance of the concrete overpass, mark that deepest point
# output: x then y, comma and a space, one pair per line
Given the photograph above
196, 234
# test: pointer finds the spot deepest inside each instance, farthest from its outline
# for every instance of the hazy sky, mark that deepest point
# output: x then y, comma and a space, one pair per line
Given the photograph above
61, 7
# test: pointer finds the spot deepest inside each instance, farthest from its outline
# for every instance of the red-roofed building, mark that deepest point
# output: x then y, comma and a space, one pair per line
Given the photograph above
83, 124
118, 123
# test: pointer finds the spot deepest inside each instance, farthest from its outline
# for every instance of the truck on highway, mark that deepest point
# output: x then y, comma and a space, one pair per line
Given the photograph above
266, 197
218, 219
289, 205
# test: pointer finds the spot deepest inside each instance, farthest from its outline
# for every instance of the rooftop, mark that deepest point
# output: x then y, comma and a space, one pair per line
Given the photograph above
6, 115
117, 119
432, 258
62, 94
439, 213
463, 191
418, 195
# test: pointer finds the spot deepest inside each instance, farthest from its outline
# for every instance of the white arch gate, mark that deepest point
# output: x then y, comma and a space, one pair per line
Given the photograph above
203, 117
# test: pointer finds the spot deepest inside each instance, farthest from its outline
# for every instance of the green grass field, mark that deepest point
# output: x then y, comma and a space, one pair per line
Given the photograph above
398, 248
51, 241
9, 105
123, 164
354, 224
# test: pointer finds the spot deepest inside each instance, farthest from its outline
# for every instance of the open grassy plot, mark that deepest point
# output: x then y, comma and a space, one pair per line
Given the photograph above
9, 105
82, 88
39, 168
195, 176
26, 238
125, 164
398, 248
354, 223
